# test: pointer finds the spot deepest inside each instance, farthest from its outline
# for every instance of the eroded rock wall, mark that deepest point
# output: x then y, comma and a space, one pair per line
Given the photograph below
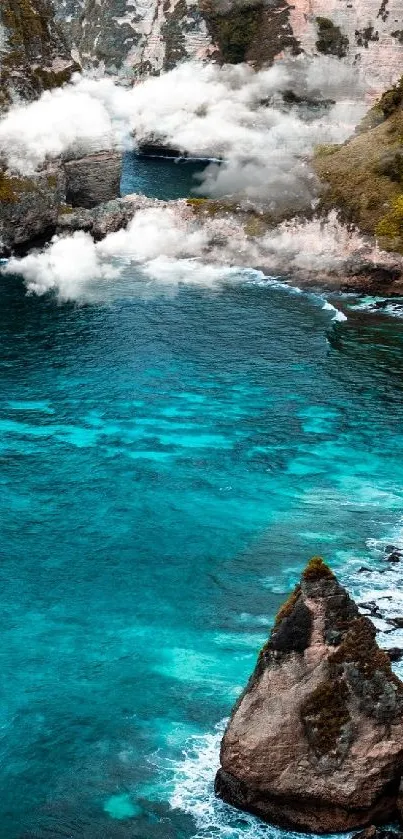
142, 36
34, 54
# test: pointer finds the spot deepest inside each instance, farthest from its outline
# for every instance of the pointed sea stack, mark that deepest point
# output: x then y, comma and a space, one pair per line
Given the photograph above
315, 742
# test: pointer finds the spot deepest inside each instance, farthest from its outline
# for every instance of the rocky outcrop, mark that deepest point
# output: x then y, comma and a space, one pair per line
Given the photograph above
32, 208
93, 179
29, 207
34, 55
315, 742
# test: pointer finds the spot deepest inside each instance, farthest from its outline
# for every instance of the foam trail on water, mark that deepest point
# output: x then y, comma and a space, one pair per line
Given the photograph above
193, 793
379, 305
339, 316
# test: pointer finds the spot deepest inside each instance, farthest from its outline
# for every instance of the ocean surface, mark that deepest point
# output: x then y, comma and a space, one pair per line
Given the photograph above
170, 460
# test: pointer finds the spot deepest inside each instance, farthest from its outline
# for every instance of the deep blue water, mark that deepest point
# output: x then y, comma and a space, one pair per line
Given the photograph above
168, 465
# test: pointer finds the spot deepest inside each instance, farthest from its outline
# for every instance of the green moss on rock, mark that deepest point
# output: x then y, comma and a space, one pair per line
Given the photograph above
233, 31
317, 570
287, 607
331, 40
389, 229
12, 188
325, 716
363, 177
34, 42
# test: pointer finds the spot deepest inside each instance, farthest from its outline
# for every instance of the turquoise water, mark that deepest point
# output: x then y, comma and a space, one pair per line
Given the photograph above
168, 464
160, 177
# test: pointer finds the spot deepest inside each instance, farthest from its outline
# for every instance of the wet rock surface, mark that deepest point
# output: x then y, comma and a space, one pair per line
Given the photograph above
315, 741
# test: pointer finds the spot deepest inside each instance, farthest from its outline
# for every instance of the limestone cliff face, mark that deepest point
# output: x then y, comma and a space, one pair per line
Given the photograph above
367, 33
315, 741
153, 35
34, 54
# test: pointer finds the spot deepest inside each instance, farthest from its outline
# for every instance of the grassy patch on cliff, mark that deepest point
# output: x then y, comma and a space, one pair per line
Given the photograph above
364, 177
11, 187
331, 40
234, 31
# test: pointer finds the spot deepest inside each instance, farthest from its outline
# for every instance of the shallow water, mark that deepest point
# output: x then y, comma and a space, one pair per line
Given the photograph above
168, 465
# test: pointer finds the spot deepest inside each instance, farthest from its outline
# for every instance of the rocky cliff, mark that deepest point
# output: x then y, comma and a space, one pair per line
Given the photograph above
316, 740
34, 54
363, 178
153, 35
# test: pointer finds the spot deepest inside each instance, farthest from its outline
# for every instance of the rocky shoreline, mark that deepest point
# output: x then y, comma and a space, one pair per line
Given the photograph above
82, 194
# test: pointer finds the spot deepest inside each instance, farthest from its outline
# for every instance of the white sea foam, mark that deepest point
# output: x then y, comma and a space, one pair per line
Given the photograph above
193, 793
379, 305
169, 246
339, 316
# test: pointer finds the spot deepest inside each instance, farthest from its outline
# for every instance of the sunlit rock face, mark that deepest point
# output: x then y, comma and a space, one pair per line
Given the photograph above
314, 742
142, 36
369, 33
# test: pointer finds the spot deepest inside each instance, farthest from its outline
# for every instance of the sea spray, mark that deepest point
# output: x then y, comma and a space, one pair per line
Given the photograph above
230, 113
173, 246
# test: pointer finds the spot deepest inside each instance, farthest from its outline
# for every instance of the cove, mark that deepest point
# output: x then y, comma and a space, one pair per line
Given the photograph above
169, 461
166, 178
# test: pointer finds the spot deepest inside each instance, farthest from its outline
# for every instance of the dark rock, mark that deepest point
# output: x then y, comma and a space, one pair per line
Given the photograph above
395, 556
398, 621
364, 569
29, 207
395, 653
159, 149
34, 52
105, 218
93, 179
315, 741
372, 608
373, 832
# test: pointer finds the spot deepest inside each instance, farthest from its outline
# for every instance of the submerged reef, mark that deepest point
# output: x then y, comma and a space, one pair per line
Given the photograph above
315, 741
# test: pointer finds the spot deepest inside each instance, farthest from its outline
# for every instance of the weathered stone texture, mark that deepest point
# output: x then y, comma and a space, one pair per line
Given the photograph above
93, 179
316, 740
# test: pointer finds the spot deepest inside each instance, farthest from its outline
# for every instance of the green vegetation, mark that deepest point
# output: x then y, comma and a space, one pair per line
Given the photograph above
389, 229
11, 188
364, 177
287, 608
358, 647
233, 31
330, 41
66, 210
325, 714
317, 570
210, 207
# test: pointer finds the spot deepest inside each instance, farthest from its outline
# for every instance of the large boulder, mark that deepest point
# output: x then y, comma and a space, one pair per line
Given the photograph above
315, 742
93, 179
29, 207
